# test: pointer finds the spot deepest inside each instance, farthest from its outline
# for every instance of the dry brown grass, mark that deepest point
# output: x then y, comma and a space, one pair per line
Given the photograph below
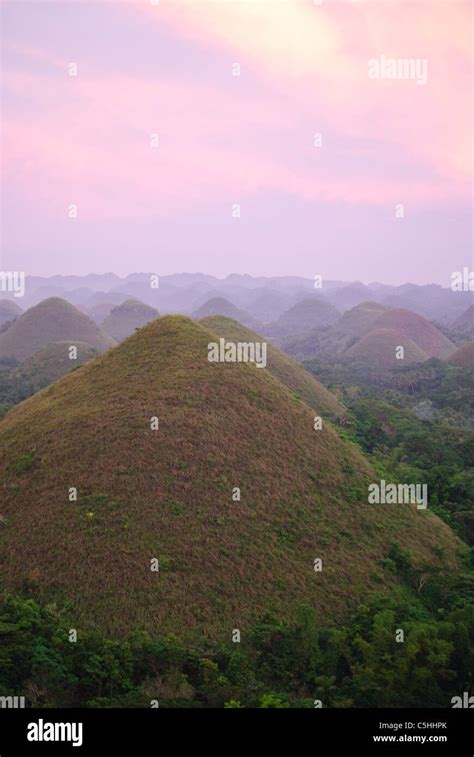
168, 494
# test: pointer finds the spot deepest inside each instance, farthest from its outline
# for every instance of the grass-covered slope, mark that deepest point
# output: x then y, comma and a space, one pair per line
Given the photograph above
379, 347
52, 320
360, 320
413, 326
463, 356
53, 362
167, 494
286, 370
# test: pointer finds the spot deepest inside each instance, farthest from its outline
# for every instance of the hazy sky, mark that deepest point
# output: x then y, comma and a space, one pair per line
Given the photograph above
167, 69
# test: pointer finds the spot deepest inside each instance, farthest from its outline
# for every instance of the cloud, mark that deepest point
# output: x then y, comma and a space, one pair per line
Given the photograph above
87, 139
318, 55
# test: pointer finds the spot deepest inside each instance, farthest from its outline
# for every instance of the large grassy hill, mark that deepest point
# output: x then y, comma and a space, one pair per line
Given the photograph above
286, 370
168, 494
52, 320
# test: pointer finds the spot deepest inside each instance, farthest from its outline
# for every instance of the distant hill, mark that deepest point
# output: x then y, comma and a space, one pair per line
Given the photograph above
379, 348
9, 310
464, 325
307, 315
419, 330
431, 301
339, 337
112, 298
267, 304
348, 296
221, 306
463, 356
125, 318
53, 320
359, 320
99, 313
168, 497
53, 362
286, 370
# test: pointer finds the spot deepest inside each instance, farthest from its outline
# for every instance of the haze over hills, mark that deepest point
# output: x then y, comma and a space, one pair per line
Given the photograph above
349, 295
286, 370
9, 310
265, 298
464, 324
221, 306
307, 315
345, 332
52, 320
347, 336
125, 318
99, 312
168, 494
431, 301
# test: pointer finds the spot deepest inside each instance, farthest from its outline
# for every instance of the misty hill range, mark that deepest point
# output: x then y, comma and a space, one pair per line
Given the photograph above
265, 299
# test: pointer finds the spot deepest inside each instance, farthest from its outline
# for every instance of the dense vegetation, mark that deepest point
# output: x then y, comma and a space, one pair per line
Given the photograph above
415, 425
435, 390
305, 663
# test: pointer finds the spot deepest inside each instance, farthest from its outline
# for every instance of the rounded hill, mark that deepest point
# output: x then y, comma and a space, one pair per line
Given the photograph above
306, 315
211, 472
9, 311
379, 347
52, 320
126, 317
413, 326
221, 306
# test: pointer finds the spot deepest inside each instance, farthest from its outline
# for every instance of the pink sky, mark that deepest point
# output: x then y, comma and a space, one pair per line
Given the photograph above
167, 69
